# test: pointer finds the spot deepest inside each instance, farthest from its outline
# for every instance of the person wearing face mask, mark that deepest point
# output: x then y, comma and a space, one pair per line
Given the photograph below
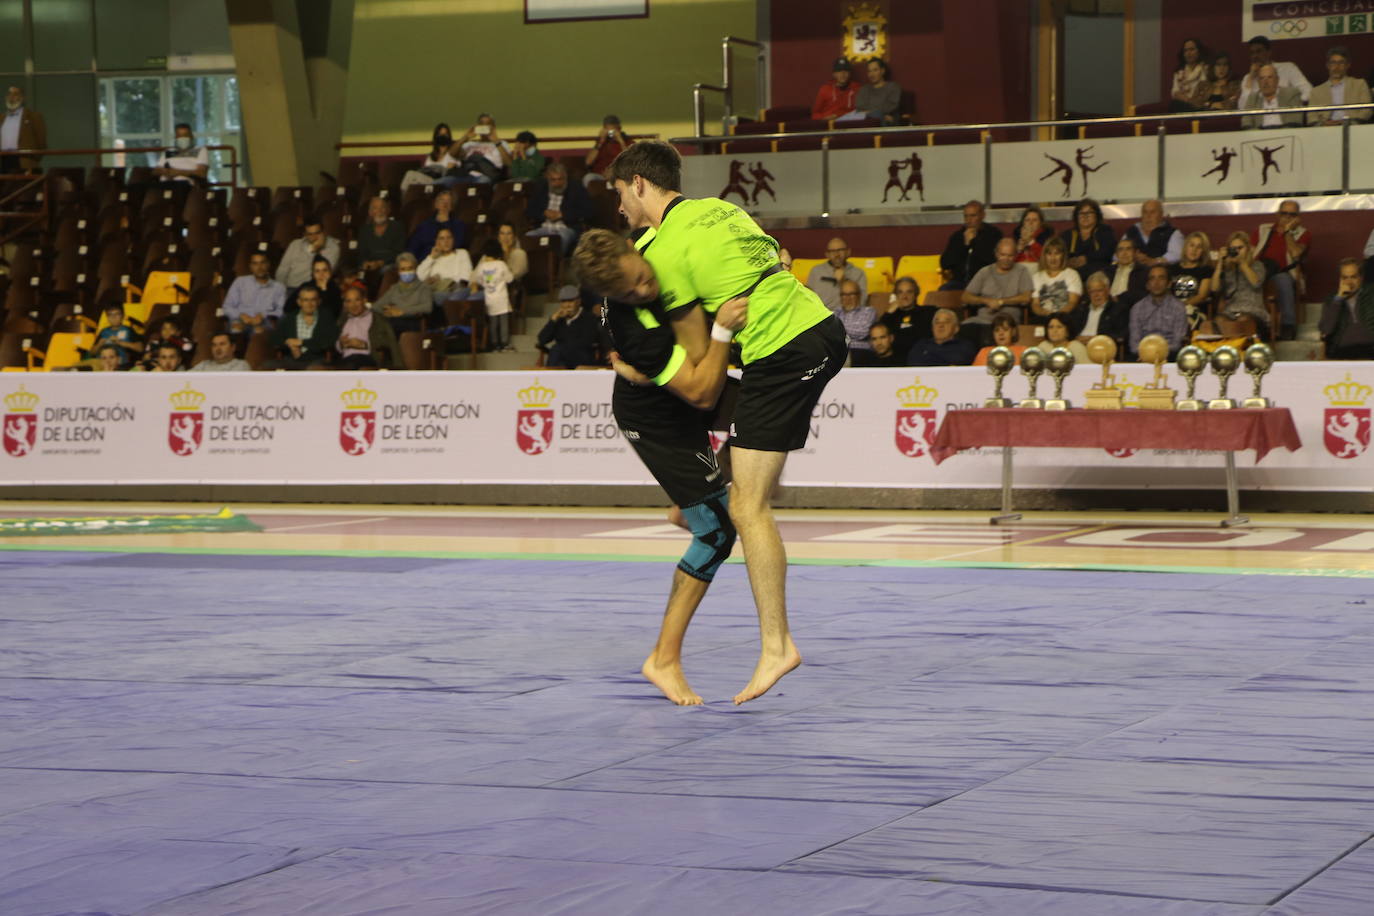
408, 300
22, 128
188, 163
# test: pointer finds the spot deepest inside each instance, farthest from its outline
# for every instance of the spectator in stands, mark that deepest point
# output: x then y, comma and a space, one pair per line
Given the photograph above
1222, 89
188, 163
825, 279
298, 262
408, 300
1192, 283
22, 128
107, 359
877, 100
558, 207
1339, 89
1282, 246
1032, 232
610, 142
120, 335
907, 321
944, 347
255, 300
971, 248
838, 96
1156, 240
304, 338
169, 334
1158, 313
570, 338
167, 358
1238, 280
526, 162
1347, 323
222, 357
880, 354
1005, 333
1270, 97
1190, 86
440, 159
516, 258
1289, 76
422, 239
1054, 286
483, 156
1091, 241
495, 277
364, 340
1127, 274
1002, 285
856, 315
1060, 331
1105, 314
322, 281
446, 269
379, 242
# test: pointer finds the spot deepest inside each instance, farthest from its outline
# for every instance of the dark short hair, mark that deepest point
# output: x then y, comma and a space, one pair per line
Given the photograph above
169, 346
653, 160
887, 71
312, 221
492, 249
114, 307
180, 125
1154, 267
1340, 50
611, 119
321, 259
1002, 319
526, 136
314, 291
1259, 40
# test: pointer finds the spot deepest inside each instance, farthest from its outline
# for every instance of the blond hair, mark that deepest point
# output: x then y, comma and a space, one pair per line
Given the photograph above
598, 257
1206, 244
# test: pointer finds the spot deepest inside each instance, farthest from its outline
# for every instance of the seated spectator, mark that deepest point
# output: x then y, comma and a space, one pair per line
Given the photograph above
1190, 79
107, 358
256, 300
570, 338
1030, 236
558, 207
297, 263
408, 300
187, 164
1283, 245
121, 336
1090, 242
1347, 323
907, 321
322, 282
495, 276
838, 96
1270, 97
1156, 240
1127, 275
971, 248
1001, 286
169, 333
380, 241
1288, 74
1060, 332
1005, 333
526, 162
945, 347
879, 99
1054, 287
483, 156
1158, 313
221, 357
167, 358
446, 270
1104, 314
364, 340
1222, 92
856, 315
1238, 280
1340, 89
440, 159
303, 339
824, 279
24, 128
610, 141
1192, 284
422, 239
516, 258
881, 355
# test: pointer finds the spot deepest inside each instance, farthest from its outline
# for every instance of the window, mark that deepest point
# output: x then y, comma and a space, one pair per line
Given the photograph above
143, 111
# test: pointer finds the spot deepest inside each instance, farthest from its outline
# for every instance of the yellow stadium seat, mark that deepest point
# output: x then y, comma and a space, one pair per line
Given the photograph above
801, 267
160, 287
923, 268
878, 271
14, 369
64, 350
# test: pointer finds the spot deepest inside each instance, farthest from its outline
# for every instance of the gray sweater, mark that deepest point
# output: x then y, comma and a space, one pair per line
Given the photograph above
884, 101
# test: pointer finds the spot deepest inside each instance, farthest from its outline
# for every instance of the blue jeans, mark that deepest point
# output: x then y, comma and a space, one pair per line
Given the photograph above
1286, 292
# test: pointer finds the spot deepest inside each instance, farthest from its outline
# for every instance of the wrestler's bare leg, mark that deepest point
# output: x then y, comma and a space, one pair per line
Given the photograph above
663, 668
756, 474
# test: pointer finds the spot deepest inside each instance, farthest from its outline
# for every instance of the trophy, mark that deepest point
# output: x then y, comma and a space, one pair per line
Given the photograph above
1032, 364
1259, 358
1191, 363
1103, 395
1060, 365
1155, 349
1225, 362
1000, 361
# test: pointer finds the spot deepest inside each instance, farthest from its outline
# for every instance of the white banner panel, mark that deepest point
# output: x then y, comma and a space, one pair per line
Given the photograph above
870, 180
1325, 19
1361, 157
874, 427
767, 184
1265, 162
1120, 168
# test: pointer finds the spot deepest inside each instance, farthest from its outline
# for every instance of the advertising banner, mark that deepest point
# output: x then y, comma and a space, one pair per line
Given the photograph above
1269, 163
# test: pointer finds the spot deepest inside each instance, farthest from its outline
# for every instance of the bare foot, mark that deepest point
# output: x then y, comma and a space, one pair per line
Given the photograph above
770, 670
670, 679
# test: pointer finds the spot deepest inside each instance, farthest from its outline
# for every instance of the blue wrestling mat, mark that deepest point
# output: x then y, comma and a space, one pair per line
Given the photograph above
205, 734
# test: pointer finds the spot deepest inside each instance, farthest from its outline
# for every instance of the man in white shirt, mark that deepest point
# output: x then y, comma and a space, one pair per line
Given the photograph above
188, 163
1290, 77
1270, 98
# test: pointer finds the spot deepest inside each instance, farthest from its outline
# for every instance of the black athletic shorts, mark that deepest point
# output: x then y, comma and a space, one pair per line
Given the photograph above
778, 392
672, 438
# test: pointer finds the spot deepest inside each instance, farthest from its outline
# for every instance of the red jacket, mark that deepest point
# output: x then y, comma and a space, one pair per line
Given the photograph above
832, 101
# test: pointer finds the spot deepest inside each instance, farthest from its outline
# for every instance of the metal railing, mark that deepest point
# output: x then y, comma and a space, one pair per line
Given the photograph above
428, 144
727, 86
232, 165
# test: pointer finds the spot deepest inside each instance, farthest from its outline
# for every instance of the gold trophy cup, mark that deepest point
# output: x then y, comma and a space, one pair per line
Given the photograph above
1000, 362
1155, 349
1225, 362
1032, 365
1060, 364
1259, 359
1191, 362
1103, 395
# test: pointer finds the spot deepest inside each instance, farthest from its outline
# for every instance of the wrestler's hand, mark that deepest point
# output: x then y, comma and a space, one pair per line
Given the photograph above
733, 314
629, 373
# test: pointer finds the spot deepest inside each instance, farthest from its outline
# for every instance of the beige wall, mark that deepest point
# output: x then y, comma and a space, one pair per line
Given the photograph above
417, 62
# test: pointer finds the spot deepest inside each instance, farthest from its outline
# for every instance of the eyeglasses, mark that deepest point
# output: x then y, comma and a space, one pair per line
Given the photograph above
836, 250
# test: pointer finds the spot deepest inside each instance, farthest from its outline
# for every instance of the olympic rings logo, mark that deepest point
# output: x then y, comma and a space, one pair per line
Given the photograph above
1288, 25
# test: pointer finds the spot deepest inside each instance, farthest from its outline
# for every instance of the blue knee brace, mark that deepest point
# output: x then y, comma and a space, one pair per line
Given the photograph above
713, 536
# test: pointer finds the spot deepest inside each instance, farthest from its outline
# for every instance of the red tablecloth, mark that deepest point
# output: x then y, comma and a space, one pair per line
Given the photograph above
1215, 430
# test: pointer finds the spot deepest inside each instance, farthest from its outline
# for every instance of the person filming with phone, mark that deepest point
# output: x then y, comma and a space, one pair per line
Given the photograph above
482, 155
609, 142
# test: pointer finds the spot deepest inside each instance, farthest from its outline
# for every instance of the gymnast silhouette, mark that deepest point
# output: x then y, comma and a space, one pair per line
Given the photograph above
1223, 165
1060, 166
1082, 155
915, 179
761, 178
1268, 153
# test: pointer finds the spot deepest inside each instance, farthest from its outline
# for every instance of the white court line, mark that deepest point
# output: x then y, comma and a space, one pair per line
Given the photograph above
353, 521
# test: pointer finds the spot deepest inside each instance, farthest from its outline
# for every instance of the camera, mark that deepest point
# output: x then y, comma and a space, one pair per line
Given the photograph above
1233, 251
482, 130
